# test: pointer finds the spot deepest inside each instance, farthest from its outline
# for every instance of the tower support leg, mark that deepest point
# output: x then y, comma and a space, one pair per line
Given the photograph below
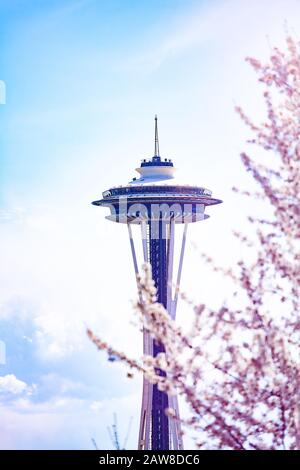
157, 430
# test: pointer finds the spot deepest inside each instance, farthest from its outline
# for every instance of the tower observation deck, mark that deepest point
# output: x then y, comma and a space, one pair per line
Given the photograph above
156, 202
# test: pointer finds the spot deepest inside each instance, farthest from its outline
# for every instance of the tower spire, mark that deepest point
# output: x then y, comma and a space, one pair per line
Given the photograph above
156, 145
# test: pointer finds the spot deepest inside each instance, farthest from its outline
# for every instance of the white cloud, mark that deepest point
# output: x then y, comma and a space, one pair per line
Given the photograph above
66, 423
235, 27
96, 406
10, 384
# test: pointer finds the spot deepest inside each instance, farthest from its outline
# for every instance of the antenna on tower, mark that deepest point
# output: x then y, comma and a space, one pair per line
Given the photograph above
113, 433
156, 146
94, 443
127, 434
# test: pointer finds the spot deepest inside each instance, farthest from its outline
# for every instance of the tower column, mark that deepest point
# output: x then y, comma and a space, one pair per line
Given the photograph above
160, 400
158, 431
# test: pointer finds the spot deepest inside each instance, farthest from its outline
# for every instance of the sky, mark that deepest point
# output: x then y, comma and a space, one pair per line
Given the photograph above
83, 80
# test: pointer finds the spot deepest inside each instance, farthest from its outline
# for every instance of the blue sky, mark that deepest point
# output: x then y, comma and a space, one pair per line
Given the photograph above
83, 82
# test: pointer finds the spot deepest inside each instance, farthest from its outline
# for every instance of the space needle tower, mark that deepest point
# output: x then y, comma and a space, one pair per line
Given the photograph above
156, 203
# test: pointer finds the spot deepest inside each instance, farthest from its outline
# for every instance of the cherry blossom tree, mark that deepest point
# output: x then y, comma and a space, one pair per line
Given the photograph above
238, 366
